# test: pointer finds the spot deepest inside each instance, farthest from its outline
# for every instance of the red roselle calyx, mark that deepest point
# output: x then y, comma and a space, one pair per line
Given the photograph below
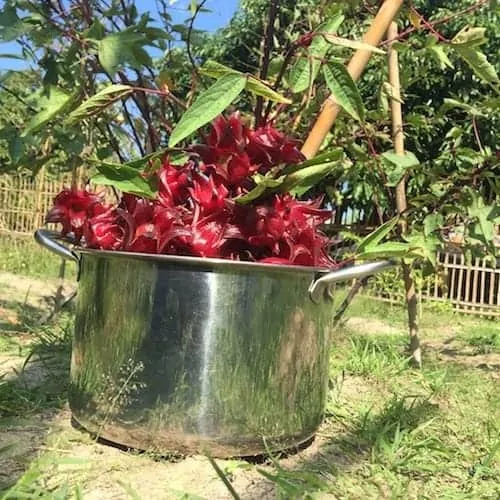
195, 213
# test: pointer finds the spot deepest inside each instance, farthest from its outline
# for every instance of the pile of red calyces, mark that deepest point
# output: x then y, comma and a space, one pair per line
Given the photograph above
195, 212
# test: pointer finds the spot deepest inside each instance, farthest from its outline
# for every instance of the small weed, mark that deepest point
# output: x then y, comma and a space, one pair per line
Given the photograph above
484, 340
376, 358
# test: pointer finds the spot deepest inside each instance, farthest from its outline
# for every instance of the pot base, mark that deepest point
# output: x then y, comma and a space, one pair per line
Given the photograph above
168, 446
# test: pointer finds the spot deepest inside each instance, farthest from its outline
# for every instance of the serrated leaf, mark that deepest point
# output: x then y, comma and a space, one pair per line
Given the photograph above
99, 102
208, 105
124, 178
378, 235
305, 70
440, 54
407, 160
432, 222
254, 85
470, 36
478, 62
344, 90
116, 49
397, 166
50, 106
351, 44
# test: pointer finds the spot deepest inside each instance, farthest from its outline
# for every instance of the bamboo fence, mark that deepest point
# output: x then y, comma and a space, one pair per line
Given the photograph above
472, 288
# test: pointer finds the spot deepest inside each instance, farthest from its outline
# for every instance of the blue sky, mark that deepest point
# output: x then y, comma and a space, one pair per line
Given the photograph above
222, 11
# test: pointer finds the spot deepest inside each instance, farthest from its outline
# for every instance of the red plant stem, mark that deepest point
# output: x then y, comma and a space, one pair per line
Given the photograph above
403, 34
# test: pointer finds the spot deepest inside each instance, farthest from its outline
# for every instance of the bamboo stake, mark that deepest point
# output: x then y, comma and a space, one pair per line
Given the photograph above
401, 201
356, 65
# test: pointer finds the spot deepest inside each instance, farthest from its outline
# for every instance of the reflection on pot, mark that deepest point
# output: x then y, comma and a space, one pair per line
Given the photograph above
181, 358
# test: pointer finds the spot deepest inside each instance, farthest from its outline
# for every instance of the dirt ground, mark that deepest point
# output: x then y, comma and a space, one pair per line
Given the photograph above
46, 438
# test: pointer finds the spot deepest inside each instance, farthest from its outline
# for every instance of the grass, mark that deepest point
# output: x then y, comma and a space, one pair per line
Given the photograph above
390, 431
23, 256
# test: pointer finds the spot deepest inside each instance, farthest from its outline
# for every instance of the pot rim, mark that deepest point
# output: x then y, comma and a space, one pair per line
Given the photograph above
206, 261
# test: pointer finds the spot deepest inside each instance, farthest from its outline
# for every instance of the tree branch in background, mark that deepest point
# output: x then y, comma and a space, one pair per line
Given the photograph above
18, 97
188, 39
403, 34
266, 57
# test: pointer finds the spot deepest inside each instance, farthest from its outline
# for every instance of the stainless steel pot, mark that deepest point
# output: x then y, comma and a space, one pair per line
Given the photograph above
182, 355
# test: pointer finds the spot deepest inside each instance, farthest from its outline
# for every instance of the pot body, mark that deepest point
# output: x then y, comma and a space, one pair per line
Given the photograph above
187, 357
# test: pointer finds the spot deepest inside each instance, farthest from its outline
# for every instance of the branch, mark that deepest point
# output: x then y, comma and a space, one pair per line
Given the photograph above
188, 38
403, 34
18, 97
268, 45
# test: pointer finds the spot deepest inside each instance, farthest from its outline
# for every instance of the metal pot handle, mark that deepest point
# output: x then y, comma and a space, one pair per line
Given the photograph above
317, 288
48, 239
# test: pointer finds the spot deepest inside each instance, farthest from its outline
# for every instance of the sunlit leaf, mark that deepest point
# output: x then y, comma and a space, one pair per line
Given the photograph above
478, 62
253, 85
374, 238
305, 70
208, 105
344, 90
118, 48
352, 44
50, 106
124, 178
99, 102
432, 222
470, 36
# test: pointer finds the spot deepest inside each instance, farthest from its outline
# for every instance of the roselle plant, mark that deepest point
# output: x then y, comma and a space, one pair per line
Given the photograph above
205, 206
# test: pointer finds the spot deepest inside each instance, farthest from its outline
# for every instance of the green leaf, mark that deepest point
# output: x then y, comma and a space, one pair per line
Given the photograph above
478, 62
454, 104
352, 44
378, 235
391, 249
484, 215
344, 90
254, 85
470, 37
50, 106
208, 105
264, 183
335, 154
397, 165
99, 102
117, 49
440, 54
305, 71
432, 222
124, 178
11, 26
301, 181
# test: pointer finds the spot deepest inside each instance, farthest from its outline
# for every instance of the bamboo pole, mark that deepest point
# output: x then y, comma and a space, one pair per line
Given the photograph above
357, 64
401, 201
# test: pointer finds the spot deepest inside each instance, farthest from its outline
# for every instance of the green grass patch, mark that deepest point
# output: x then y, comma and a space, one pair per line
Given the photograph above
23, 256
